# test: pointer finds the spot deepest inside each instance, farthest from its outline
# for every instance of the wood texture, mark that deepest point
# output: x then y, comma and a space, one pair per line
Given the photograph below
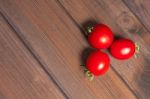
141, 9
21, 76
117, 15
59, 44
53, 31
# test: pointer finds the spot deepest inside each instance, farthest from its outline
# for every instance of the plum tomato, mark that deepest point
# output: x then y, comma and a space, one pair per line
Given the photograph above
122, 48
98, 62
100, 37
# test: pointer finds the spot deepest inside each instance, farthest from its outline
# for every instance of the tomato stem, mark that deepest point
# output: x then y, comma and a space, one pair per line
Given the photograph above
88, 73
89, 29
137, 50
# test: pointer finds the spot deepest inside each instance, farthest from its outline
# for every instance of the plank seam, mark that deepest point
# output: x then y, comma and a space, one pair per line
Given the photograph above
126, 84
123, 80
35, 56
136, 16
74, 21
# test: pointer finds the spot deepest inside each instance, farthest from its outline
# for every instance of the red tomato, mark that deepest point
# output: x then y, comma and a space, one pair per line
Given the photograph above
122, 49
101, 36
98, 62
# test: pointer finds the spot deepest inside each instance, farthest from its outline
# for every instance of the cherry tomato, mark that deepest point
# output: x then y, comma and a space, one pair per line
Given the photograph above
122, 49
101, 36
98, 62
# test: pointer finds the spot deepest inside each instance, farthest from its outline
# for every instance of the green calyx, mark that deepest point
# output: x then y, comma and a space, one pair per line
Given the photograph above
88, 73
137, 50
89, 29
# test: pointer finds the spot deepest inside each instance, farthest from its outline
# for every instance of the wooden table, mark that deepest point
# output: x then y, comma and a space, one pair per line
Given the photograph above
42, 45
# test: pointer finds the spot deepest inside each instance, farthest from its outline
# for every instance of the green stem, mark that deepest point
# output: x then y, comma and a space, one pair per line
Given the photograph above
89, 30
88, 73
137, 50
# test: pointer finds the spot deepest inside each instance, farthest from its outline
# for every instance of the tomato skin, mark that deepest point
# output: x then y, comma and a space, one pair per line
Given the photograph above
98, 62
122, 49
101, 37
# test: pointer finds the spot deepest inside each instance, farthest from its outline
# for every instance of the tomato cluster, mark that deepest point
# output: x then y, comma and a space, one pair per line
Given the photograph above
102, 37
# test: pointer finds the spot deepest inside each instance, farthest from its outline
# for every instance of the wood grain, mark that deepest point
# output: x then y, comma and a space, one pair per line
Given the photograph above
141, 9
123, 22
21, 76
59, 45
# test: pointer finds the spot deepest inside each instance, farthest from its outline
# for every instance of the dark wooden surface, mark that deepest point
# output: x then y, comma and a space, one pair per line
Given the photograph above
42, 46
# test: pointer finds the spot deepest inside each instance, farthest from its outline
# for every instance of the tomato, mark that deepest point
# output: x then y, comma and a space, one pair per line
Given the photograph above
122, 48
100, 37
98, 62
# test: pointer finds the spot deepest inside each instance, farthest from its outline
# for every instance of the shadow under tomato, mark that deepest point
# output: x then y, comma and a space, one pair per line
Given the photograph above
89, 23
116, 37
84, 55
85, 52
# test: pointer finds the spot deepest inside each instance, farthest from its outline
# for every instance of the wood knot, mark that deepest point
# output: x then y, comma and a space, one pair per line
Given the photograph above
126, 21
2, 96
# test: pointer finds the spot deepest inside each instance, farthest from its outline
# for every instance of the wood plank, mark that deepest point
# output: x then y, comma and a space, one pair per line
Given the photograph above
115, 14
21, 76
59, 46
140, 9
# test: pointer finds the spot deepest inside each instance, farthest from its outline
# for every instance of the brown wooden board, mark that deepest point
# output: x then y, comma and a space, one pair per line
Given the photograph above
59, 45
116, 14
141, 10
21, 76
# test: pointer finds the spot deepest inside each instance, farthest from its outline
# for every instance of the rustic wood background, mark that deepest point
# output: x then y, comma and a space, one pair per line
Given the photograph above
42, 45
